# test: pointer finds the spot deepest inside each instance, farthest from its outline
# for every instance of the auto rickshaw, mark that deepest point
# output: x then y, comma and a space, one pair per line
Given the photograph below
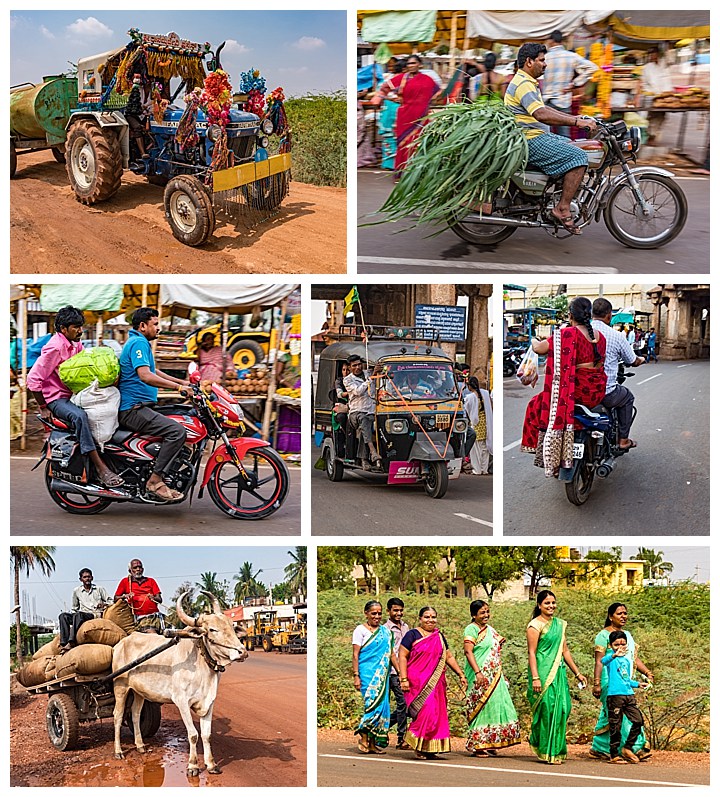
420, 423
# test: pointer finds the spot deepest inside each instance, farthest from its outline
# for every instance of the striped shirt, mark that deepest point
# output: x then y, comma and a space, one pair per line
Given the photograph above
523, 98
617, 349
564, 68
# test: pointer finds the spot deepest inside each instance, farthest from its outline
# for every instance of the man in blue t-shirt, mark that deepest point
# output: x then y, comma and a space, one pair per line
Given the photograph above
139, 383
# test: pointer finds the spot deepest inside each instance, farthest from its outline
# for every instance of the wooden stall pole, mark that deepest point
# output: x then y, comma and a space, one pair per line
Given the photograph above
99, 330
453, 42
267, 416
223, 342
22, 329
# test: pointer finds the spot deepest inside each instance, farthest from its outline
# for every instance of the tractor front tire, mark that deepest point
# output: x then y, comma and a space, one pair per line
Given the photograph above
93, 162
189, 210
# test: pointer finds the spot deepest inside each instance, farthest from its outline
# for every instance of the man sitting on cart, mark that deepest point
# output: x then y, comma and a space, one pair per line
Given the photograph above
88, 602
361, 406
143, 596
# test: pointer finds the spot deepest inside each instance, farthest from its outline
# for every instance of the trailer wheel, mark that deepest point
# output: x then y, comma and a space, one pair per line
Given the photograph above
93, 162
13, 159
59, 154
189, 210
150, 718
63, 724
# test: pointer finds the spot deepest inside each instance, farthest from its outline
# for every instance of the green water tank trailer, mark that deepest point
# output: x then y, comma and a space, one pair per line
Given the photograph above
39, 114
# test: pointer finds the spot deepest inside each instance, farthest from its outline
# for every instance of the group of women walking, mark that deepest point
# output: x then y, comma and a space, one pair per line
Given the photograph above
424, 656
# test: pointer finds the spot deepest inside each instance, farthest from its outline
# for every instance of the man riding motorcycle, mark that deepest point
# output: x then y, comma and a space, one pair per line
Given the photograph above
618, 348
552, 154
139, 383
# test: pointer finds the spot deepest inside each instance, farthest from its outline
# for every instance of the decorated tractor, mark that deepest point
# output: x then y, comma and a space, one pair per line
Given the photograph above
212, 153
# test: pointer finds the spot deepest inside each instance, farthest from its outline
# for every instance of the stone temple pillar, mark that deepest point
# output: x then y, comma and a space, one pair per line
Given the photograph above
477, 347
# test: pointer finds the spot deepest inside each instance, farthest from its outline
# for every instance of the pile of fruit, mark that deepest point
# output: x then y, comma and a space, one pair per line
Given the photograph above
694, 97
253, 382
292, 392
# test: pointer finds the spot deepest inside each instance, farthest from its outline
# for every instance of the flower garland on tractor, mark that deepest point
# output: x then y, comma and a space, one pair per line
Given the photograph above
187, 135
275, 112
215, 99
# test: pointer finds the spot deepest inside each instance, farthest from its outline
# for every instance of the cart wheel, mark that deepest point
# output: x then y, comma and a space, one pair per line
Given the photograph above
63, 724
150, 718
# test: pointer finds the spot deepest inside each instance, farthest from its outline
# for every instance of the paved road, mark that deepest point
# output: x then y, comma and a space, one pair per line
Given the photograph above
662, 487
32, 511
381, 250
363, 503
342, 765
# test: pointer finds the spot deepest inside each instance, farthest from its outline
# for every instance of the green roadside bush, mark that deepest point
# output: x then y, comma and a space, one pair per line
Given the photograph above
671, 627
319, 130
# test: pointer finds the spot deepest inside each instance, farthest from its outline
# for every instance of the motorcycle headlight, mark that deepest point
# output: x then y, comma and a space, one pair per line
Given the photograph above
267, 127
396, 426
460, 425
263, 141
214, 132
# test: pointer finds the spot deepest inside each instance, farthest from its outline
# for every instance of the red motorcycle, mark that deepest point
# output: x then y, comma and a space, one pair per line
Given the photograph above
246, 478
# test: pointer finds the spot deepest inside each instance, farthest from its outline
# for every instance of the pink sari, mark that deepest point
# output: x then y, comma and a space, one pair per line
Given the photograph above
429, 731
211, 364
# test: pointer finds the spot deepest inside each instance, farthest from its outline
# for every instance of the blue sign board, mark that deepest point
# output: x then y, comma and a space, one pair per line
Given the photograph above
449, 321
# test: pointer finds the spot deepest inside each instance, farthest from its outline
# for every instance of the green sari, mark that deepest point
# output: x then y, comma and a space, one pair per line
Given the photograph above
601, 737
492, 719
550, 708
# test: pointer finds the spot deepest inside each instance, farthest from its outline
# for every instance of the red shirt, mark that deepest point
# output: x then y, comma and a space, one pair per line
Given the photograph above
140, 601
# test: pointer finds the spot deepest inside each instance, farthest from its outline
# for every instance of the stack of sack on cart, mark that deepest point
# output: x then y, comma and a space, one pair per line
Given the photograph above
91, 656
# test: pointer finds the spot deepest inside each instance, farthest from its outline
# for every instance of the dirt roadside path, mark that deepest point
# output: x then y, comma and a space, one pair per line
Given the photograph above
50, 232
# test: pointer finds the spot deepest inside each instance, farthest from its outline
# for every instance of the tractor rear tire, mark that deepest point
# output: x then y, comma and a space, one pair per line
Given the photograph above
189, 210
59, 154
93, 161
246, 353
267, 644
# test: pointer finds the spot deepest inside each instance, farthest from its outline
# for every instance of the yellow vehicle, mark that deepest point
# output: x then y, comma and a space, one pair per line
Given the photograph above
270, 632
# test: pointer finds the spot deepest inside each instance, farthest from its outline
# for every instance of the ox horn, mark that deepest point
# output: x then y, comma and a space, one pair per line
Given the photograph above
192, 621
217, 608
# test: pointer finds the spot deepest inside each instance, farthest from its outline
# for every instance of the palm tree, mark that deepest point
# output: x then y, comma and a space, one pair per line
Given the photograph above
654, 565
246, 583
296, 571
25, 558
209, 583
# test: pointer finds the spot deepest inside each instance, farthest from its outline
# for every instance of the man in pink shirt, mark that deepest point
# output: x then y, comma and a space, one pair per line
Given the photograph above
51, 395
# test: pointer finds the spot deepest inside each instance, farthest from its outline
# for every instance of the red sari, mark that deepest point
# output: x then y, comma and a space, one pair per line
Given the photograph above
548, 431
414, 92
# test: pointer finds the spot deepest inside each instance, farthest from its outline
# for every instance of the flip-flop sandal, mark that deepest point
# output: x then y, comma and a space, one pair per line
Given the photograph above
112, 480
377, 751
492, 753
617, 760
480, 754
363, 747
632, 444
566, 222
171, 495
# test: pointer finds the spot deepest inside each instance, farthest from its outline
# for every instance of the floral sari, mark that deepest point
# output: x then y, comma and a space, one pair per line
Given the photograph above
550, 708
549, 429
374, 669
491, 715
429, 731
601, 737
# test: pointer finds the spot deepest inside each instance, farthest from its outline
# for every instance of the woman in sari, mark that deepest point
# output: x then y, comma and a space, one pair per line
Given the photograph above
548, 691
492, 719
372, 657
423, 657
414, 90
579, 351
617, 615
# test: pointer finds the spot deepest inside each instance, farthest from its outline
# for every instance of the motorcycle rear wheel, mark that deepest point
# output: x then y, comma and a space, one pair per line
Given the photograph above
578, 490
75, 503
482, 234
625, 225
250, 503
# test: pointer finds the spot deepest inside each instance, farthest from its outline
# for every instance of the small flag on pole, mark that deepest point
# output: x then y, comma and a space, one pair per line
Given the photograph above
352, 298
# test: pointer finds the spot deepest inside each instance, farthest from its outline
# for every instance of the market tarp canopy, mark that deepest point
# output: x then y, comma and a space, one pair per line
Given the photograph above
516, 27
398, 26
96, 299
218, 298
633, 27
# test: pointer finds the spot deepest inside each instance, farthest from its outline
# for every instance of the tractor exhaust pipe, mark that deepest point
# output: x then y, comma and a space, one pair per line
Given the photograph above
62, 486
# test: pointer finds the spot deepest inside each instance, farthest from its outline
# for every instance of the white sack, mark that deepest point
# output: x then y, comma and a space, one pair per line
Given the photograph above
101, 405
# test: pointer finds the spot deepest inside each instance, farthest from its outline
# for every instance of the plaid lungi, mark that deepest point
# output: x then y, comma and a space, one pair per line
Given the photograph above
554, 155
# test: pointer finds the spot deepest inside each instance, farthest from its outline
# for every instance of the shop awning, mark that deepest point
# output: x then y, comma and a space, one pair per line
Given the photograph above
649, 27
219, 298
516, 27
94, 299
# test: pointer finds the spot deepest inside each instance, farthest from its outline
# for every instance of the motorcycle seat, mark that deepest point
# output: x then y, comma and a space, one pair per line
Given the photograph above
120, 436
596, 412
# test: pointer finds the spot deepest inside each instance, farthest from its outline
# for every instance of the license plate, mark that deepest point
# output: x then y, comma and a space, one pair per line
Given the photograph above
442, 421
578, 450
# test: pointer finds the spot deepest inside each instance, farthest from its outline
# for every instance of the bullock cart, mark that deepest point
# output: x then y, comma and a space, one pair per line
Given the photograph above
76, 699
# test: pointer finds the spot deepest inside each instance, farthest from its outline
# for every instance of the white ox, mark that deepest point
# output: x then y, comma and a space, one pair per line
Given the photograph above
185, 674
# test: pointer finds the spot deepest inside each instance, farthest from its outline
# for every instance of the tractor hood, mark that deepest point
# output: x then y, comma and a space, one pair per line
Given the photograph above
241, 118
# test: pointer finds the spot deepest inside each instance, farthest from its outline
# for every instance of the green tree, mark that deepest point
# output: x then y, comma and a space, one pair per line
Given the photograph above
296, 571
559, 302
210, 583
490, 567
282, 592
246, 583
335, 566
189, 604
24, 559
409, 567
541, 562
654, 564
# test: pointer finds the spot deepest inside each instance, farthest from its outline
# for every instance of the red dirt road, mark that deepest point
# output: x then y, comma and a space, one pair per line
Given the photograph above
258, 736
50, 232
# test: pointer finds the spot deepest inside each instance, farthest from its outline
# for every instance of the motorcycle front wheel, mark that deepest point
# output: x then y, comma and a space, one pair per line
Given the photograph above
75, 503
578, 490
481, 234
268, 488
626, 222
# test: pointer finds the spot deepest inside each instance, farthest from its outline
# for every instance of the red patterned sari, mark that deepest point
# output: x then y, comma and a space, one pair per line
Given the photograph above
549, 428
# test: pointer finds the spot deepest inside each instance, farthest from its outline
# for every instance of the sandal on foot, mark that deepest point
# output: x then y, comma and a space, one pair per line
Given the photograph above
628, 755
363, 746
163, 492
111, 479
480, 754
420, 755
631, 444
617, 760
600, 756
643, 755
566, 222
377, 750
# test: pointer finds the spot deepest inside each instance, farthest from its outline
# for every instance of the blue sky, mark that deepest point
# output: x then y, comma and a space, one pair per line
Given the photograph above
302, 51
170, 566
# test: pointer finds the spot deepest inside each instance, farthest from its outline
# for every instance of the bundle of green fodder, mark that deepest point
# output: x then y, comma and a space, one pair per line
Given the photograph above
463, 155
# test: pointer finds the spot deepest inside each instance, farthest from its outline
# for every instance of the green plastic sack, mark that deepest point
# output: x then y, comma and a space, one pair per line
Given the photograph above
82, 369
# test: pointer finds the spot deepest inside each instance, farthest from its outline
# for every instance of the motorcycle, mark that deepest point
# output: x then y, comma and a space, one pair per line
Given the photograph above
595, 447
642, 207
245, 477
511, 359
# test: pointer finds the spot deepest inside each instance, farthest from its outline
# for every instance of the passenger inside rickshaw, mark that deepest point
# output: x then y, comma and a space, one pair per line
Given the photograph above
418, 383
339, 397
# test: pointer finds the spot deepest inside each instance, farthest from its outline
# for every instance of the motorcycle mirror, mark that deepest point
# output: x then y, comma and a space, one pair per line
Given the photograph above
192, 368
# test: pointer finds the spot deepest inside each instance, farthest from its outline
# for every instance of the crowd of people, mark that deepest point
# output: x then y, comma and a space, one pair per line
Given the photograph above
409, 666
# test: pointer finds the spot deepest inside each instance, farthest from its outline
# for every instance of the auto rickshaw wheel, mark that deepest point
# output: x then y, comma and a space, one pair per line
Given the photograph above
334, 468
436, 481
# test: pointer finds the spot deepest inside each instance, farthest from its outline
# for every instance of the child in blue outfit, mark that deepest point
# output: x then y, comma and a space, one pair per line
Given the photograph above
621, 700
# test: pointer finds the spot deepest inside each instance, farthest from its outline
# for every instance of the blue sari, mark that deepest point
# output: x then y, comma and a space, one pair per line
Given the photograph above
374, 668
